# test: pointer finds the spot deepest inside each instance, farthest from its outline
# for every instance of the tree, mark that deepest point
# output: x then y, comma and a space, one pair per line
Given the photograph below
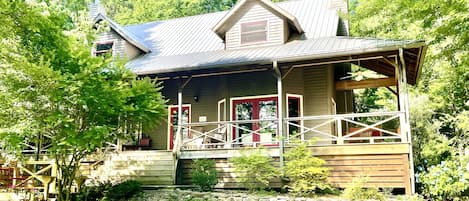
140, 11
440, 112
54, 92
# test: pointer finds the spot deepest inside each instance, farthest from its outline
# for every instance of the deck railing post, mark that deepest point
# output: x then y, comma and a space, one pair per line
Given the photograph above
340, 139
404, 108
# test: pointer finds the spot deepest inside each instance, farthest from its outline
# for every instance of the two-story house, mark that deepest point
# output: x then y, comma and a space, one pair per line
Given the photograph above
271, 74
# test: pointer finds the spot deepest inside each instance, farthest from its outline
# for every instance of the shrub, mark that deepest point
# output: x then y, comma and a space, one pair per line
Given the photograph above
123, 191
94, 192
447, 181
204, 174
255, 170
306, 173
411, 198
356, 191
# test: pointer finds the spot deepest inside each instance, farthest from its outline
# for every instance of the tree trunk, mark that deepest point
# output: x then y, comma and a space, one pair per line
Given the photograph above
65, 182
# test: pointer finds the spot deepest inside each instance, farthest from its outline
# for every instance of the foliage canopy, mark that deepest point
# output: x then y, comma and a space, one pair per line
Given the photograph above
54, 94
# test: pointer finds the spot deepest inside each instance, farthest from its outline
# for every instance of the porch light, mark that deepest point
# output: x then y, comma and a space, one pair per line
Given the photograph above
196, 98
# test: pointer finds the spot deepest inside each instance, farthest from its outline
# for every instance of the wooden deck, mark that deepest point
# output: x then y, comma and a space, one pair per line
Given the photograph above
385, 165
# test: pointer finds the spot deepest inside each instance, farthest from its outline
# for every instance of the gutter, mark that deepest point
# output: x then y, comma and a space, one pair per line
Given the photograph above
416, 44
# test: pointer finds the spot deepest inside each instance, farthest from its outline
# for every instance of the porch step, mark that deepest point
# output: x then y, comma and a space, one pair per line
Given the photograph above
147, 167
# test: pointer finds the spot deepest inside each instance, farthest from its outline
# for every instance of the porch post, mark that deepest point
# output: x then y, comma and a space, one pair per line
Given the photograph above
280, 113
404, 107
179, 128
179, 140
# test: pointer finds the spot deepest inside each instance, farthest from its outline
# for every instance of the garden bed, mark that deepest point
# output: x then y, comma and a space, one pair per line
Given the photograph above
188, 195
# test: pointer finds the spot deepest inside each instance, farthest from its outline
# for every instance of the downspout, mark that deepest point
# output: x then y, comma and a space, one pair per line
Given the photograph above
402, 68
278, 73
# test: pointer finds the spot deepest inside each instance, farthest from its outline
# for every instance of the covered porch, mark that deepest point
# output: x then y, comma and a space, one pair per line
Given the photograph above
277, 97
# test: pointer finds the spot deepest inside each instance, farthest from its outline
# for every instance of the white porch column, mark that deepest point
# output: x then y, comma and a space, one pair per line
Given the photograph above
404, 107
179, 128
281, 107
179, 138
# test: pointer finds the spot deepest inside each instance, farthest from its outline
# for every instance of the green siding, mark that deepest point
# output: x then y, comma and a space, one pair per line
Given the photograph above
250, 12
210, 90
314, 83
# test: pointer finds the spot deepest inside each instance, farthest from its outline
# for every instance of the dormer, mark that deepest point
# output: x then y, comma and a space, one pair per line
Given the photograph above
256, 23
117, 42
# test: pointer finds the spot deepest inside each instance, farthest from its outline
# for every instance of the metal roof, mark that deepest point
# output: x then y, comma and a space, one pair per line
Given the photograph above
189, 44
296, 50
195, 35
126, 35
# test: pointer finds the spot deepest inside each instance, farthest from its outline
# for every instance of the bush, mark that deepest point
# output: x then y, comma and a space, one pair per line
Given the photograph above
356, 191
255, 171
204, 174
411, 198
447, 181
306, 173
123, 191
93, 193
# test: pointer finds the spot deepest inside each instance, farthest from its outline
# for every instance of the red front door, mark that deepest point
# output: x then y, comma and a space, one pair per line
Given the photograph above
173, 122
255, 109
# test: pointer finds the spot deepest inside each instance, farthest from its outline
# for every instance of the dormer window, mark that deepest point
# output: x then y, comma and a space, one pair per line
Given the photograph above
104, 48
254, 32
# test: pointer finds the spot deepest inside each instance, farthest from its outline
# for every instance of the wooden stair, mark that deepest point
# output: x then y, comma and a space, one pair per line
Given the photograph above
147, 167
6, 196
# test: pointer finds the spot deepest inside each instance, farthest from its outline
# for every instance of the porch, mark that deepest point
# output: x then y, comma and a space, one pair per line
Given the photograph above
221, 114
355, 128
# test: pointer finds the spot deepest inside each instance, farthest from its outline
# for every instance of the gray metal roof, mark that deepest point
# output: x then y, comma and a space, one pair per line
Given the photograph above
124, 33
189, 43
315, 48
194, 34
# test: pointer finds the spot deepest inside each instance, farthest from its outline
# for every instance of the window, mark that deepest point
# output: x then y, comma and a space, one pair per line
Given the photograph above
103, 49
295, 109
252, 32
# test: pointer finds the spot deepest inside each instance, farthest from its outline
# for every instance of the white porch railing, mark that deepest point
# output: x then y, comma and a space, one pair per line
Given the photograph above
229, 134
379, 127
366, 128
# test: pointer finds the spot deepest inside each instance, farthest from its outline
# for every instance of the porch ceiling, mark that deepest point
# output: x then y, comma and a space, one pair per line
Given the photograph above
374, 54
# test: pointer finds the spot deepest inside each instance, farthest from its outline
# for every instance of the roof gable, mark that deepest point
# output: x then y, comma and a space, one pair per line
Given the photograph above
229, 19
126, 35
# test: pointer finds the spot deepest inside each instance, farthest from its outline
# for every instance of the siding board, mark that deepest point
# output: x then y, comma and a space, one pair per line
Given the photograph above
252, 11
121, 47
384, 170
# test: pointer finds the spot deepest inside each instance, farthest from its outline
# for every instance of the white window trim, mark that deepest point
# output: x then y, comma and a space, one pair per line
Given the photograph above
267, 26
168, 142
114, 42
222, 101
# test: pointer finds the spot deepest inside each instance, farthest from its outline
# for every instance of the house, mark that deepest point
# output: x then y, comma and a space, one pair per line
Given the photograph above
271, 74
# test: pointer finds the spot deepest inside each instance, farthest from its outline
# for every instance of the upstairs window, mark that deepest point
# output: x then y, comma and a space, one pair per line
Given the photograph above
253, 32
104, 48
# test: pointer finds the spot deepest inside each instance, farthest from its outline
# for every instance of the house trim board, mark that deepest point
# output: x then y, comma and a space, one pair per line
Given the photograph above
169, 121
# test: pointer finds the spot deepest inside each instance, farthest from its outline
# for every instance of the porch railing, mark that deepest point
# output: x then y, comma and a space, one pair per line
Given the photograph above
379, 127
228, 134
365, 128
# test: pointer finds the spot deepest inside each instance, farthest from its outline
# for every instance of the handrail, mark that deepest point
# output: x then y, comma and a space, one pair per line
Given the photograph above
353, 115
318, 126
228, 122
